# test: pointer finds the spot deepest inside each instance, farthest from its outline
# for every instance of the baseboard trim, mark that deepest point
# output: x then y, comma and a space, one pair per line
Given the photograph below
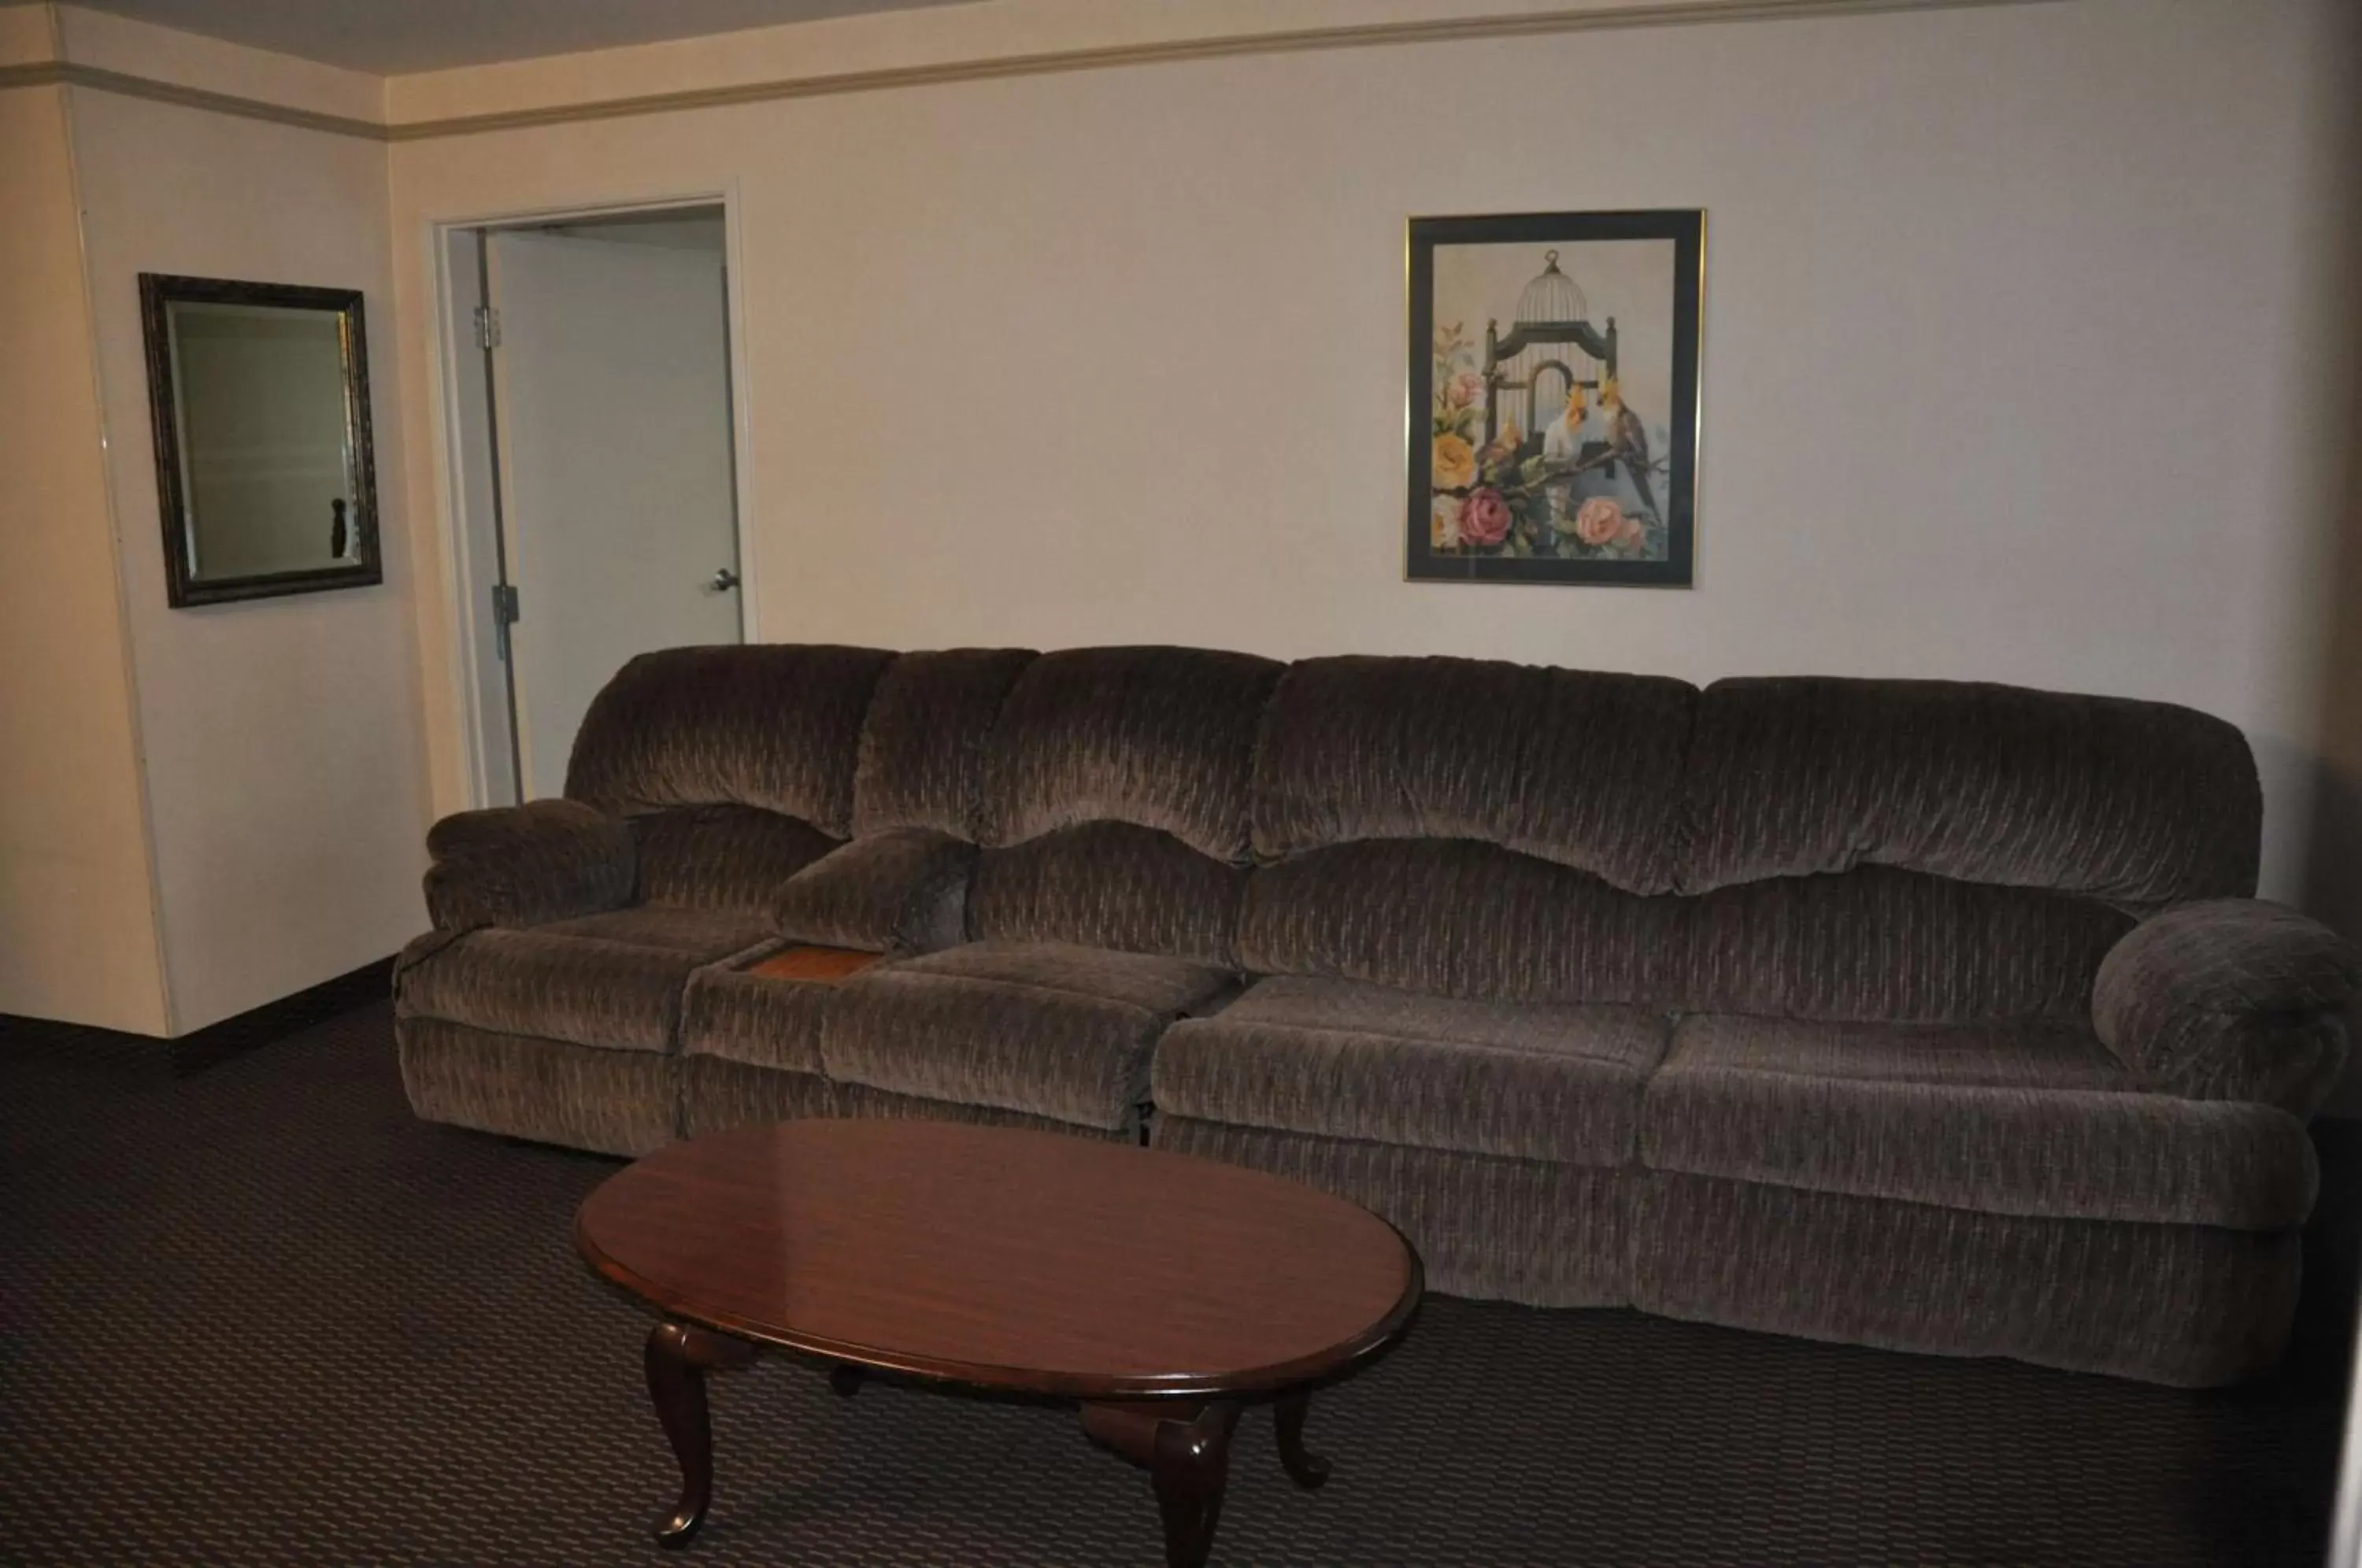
214, 1044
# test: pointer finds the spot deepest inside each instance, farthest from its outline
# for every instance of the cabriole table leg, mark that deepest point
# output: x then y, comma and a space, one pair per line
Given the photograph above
677, 1358
1306, 1468
1187, 1450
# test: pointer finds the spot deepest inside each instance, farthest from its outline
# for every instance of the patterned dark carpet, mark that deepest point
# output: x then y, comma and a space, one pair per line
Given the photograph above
254, 1313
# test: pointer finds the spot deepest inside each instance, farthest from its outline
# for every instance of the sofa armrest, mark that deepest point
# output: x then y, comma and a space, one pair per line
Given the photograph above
2232, 998
522, 865
904, 890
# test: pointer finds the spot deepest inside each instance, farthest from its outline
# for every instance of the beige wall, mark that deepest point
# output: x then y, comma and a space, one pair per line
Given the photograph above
2014, 366
283, 737
77, 933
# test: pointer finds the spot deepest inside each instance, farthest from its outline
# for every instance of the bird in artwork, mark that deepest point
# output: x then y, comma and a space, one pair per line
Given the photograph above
1562, 438
1629, 439
1501, 451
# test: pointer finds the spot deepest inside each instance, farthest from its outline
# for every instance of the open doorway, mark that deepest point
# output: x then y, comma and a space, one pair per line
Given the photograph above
595, 465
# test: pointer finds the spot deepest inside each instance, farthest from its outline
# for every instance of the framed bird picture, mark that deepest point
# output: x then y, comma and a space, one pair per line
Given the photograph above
1554, 397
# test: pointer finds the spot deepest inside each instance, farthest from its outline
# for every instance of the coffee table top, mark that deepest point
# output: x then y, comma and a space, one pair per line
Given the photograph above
1006, 1259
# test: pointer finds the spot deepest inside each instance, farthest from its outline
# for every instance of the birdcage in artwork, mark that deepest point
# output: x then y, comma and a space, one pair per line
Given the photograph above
1550, 349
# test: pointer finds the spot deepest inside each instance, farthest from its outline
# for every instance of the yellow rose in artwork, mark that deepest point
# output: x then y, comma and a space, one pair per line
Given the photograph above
1455, 462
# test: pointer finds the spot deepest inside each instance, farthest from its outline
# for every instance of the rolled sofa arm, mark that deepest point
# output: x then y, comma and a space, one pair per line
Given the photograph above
2232, 998
902, 891
522, 865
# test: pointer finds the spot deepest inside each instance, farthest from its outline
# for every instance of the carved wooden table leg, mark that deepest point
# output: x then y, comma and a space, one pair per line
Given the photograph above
1187, 1449
1191, 1466
1305, 1468
678, 1359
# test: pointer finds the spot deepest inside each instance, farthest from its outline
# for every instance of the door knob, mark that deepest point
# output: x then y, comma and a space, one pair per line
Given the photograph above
724, 580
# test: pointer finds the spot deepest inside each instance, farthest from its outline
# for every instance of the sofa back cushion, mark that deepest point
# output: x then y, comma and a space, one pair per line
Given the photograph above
1809, 848
1470, 829
1795, 847
1110, 884
1938, 851
1577, 767
770, 725
1115, 799
734, 765
721, 858
923, 746
1875, 943
2135, 804
1461, 918
1161, 737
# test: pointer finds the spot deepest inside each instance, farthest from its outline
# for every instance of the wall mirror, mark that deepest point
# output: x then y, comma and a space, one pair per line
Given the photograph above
263, 473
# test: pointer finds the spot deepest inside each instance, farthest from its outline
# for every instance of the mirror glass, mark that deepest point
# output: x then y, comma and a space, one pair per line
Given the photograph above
260, 396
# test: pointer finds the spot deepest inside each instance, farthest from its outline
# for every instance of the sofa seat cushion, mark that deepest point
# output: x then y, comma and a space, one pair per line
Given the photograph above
2027, 1117
1042, 1028
1340, 1059
611, 979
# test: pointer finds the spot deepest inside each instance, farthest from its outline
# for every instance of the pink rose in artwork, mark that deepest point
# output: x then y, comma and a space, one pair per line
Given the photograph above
1465, 390
1600, 520
1484, 516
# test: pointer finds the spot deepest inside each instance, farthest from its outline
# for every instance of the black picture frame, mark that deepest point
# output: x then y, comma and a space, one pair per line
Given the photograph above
1425, 560
183, 587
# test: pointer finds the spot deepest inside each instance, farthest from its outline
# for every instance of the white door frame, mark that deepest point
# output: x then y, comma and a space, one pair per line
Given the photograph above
454, 357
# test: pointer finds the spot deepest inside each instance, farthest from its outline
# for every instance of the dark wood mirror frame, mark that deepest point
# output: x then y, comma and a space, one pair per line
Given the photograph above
183, 587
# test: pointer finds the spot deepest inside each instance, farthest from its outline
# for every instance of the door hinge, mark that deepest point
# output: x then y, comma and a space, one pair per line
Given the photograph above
504, 614
487, 327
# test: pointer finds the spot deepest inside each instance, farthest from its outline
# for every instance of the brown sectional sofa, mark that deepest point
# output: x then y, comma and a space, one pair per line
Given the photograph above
1924, 1015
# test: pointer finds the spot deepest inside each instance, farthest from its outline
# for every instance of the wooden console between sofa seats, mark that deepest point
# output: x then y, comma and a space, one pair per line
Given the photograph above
813, 963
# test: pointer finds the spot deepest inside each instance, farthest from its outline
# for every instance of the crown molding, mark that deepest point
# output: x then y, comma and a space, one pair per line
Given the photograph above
71, 74
1589, 19
1526, 24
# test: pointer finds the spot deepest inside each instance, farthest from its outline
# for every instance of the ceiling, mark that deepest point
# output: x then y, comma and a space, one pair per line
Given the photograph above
389, 37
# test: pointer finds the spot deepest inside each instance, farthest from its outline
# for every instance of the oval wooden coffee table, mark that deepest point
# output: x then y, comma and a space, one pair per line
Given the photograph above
1159, 1291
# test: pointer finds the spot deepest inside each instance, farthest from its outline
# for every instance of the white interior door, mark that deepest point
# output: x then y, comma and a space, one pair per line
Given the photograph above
612, 381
